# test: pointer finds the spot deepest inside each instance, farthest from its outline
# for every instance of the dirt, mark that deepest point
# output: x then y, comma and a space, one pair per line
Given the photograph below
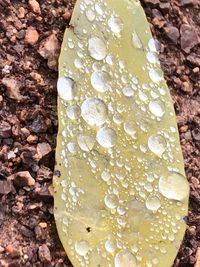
30, 37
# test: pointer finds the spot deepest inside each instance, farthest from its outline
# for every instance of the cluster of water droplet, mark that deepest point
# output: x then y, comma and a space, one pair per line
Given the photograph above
110, 123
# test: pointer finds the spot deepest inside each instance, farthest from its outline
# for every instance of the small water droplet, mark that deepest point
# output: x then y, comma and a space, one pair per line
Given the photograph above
111, 201
86, 142
153, 203
157, 144
125, 258
97, 48
136, 40
90, 14
105, 176
174, 186
155, 75
129, 128
157, 108
115, 24
106, 137
128, 91
110, 246
94, 111
100, 81
82, 247
65, 87
73, 112
152, 57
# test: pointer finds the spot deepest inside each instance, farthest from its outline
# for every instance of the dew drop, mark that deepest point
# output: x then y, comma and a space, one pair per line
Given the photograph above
152, 57
136, 40
157, 144
115, 24
106, 137
105, 176
94, 111
82, 247
110, 246
97, 48
100, 81
129, 128
73, 112
174, 186
153, 203
90, 15
155, 75
152, 45
125, 258
65, 87
128, 91
86, 142
157, 108
111, 201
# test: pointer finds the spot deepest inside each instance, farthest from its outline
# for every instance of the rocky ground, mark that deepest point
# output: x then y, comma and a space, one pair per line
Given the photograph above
30, 37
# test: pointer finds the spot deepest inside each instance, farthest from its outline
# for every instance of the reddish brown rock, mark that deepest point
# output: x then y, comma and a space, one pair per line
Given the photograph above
5, 129
22, 179
43, 149
44, 254
31, 36
34, 6
5, 187
189, 38
172, 33
13, 89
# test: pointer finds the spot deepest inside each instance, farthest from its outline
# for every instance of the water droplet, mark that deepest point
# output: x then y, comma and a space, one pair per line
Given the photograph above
153, 203
110, 246
111, 201
152, 57
65, 87
157, 108
157, 144
115, 24
129, 128
82, 247
72, 148
174, 186
155, 75
105, 176
152, 45
86, 142
97, 48
136, 40
128, 91
106, 137
90, 15
94, 111
125, 258
100, 81
73, 112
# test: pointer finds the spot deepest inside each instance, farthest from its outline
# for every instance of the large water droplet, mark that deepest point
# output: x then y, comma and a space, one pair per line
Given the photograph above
110, 246
97, 48
155, 75
136, 40
65, 87
82, 247
106, 137
157, 144
100, 81
125, 258
157, 108
111, 201
86, 142
115, 24
94, 111
174, 186
153, 203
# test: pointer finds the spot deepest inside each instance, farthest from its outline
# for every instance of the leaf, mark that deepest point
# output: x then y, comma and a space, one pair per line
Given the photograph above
120, 186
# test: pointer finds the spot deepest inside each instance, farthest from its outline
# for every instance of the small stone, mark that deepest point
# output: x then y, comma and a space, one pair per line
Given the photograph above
186, 2
31, 36
164, 7
43, 149
194, 59
49, 49
172, 33
187, 87
44, 174
12, 251
32, 139
196, 134
21, 12
13, 89
5, 129
67, 15
43, 194
34, 6
189, 38
29, 156
44, 254
5, 187
152, 3
22, 179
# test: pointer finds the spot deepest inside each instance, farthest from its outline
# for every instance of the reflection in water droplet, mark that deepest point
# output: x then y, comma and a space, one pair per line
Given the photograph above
125, 258
106, 137
115, 24
82, 247
136, 40
111, 201
94, 111
97, 48
100, 81
86, 142
157, 144
174, 186
157, 108
153, 203
65, 87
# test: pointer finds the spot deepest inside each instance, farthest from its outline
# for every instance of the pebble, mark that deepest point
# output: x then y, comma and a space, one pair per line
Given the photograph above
34, 6
12, 251
187, 2
43, 149
5, 129
13, 88
172, 33
189, 38
5, 187
31, 36
44, 254
21, 179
